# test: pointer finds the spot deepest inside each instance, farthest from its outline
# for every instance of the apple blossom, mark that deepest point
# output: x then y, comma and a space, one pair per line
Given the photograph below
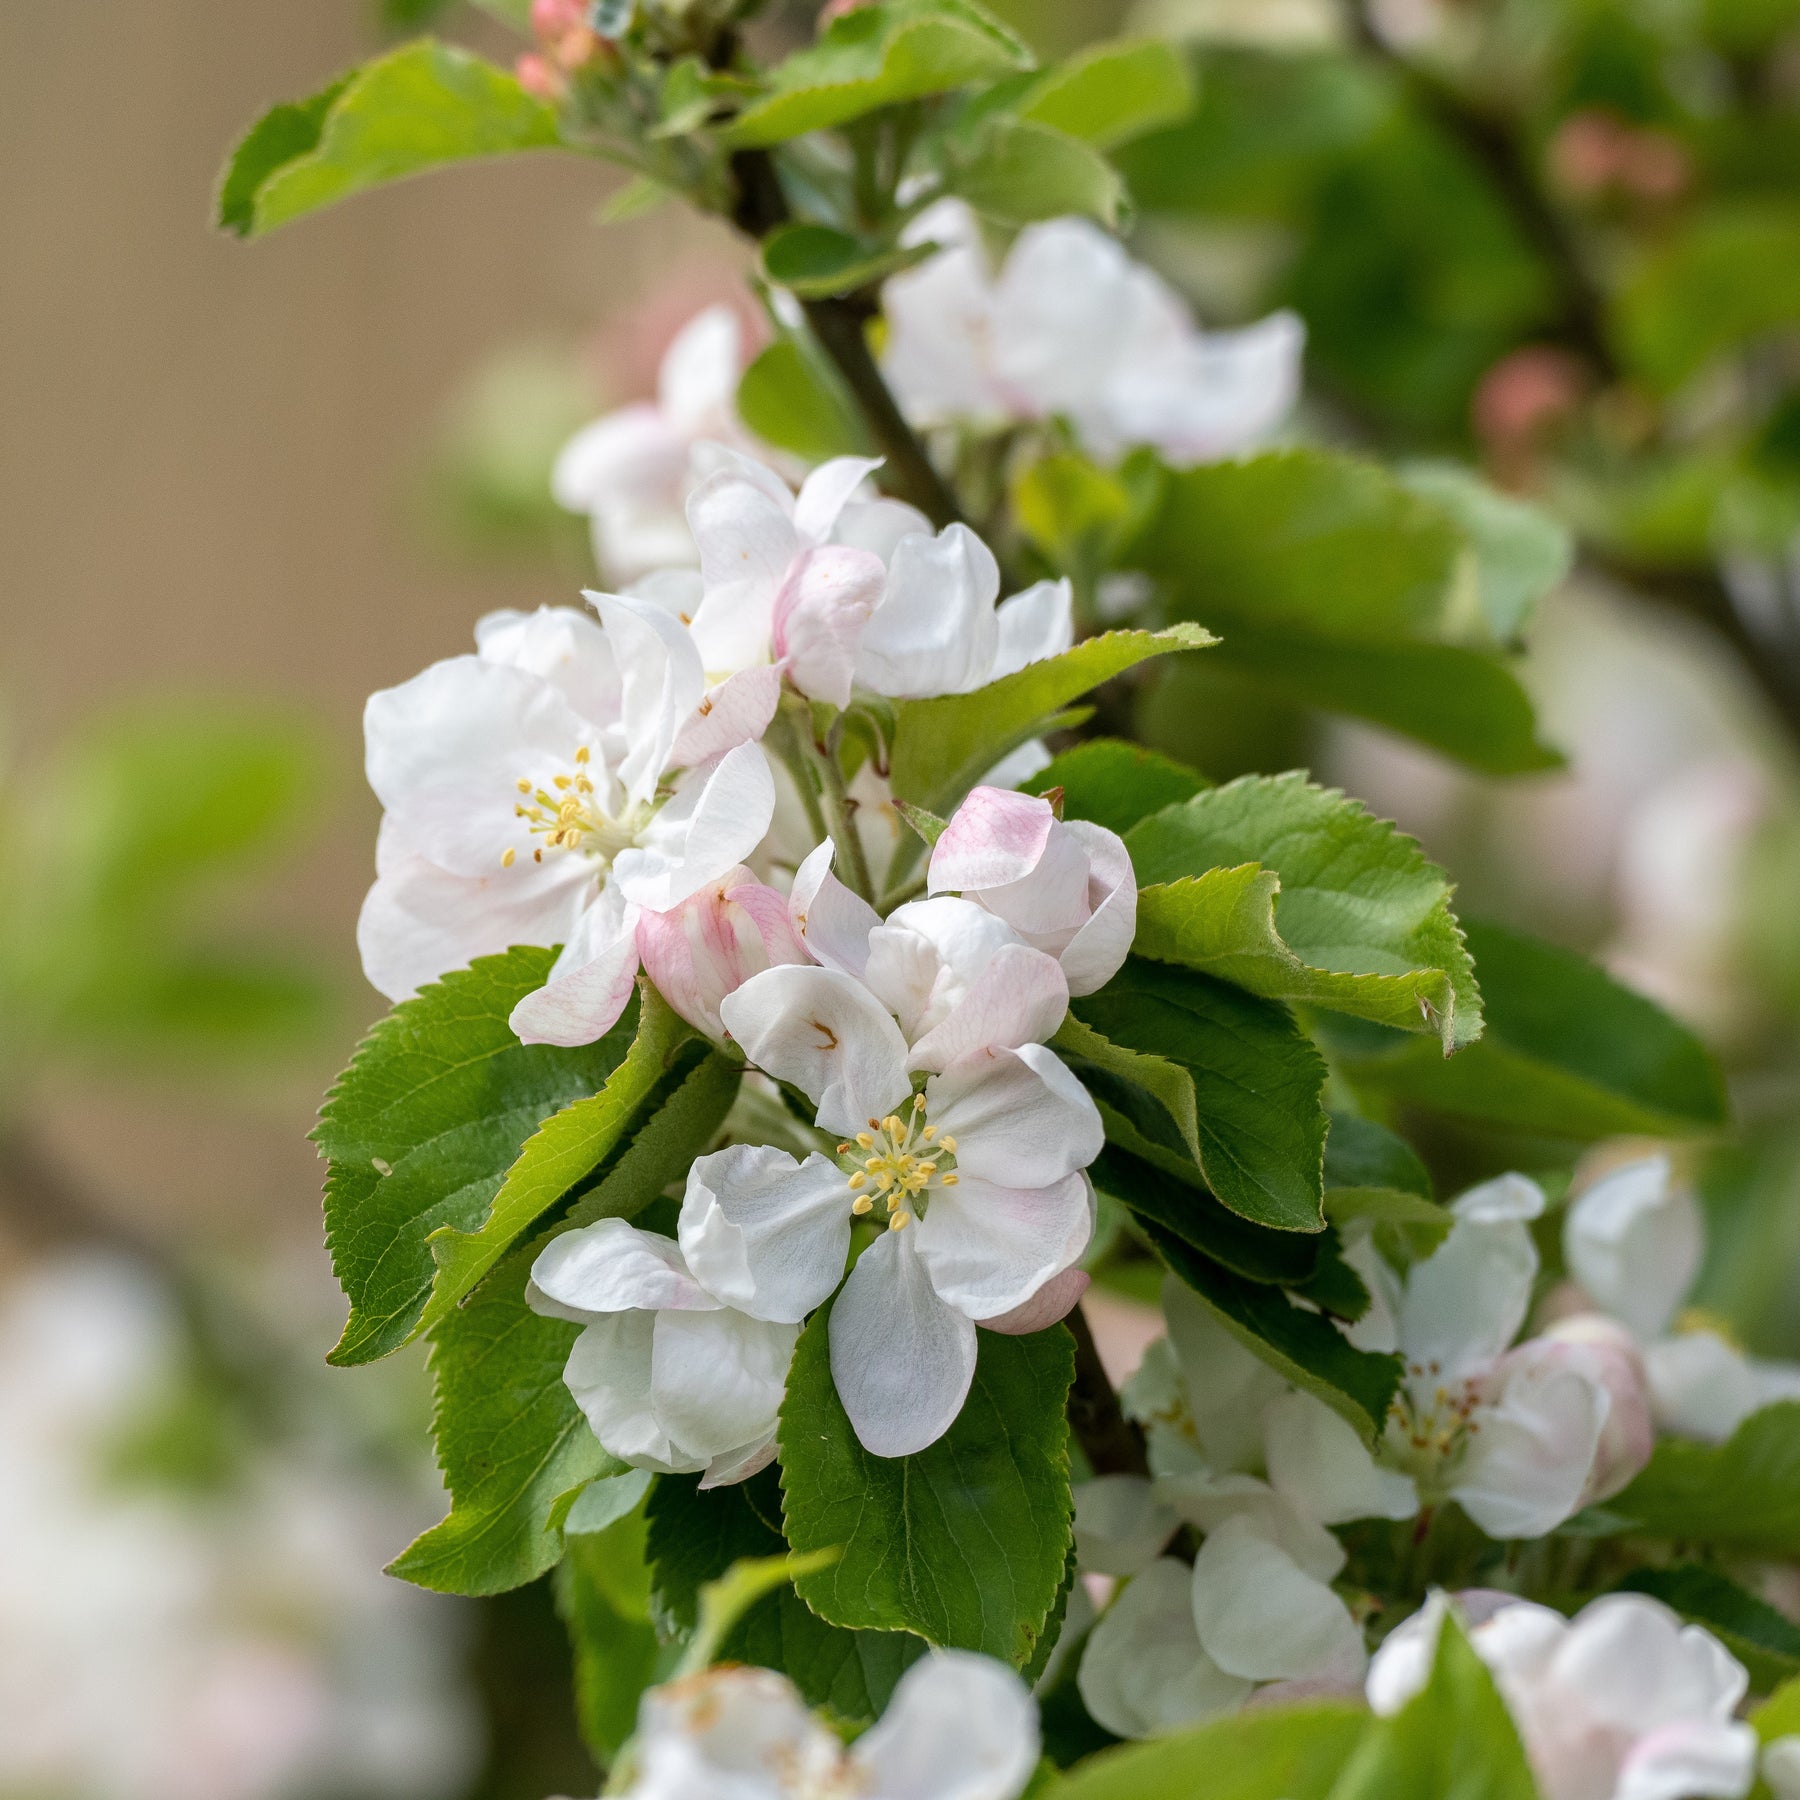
1622, 1702
959, 1727
668, 1376
1067, 889
631, 471
543, 791
984, 1163
1634, 1240
1069, 325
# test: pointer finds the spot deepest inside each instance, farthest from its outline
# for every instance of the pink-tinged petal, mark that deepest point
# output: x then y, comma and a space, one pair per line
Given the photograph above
1036, 624
996, 836
828, 1035
819, 615
1097, 951
716, 817
712, 943
989, 1249
959, 1727
1053, 1302
613, 1267
730, 1467
781, 943
901, 1360
831, 920
1019, 998
1634, 1240
764, 1233
824, 492
589, 983
1617, 1363
1019, 1117
1690, 1760
735, 712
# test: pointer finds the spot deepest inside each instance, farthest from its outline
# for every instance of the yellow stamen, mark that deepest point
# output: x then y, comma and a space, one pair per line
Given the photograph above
899, 1221
508, 857
862, 1204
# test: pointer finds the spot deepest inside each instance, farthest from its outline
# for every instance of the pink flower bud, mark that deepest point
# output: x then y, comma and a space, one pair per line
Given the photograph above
1066, 889
539, 78
1613, 1358
819, 617
1053, 1302
553, 19
713, 942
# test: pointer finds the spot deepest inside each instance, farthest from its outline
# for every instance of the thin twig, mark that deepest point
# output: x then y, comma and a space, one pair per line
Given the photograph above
1114, 1445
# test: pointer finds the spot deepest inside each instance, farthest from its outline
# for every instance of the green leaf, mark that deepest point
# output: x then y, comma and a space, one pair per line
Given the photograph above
1280, 1753
1016, 172
696, 1536
1778, 1716
1567, 1052
1253, 1085
1301, 1345
510, 1440
1112, 92
964, 1543
1763, 1640
814, 261
1115, 783
1332, 582
1741, 1495
423, 1126
943, 746
604, 1502
1518, 552
417, 108
1297, 893
1453, 1741
1074, 511
791, 403
602, 1593
569, 1146
1361, 1154
1729, 277
876, 56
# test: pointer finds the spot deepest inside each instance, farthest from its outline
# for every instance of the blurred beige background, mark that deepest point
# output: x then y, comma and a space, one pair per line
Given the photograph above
206, 452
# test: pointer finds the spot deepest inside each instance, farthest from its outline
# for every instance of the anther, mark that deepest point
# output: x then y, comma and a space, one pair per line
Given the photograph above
508, 856
949, 1143
859, 1179
951, 1179
899, 1221
862, 1204
581, 755
863, 1138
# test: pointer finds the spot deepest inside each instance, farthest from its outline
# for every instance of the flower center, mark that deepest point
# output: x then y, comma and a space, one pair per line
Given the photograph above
896, 1162
1430, 1419
568, 816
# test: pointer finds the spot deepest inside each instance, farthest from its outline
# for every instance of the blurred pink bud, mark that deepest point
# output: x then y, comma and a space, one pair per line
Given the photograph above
553, 19
1613, 1358
833, 10
1524, 393
1586, 150
713, 942
1066, 889
1054, 1301
539, 78
819, 617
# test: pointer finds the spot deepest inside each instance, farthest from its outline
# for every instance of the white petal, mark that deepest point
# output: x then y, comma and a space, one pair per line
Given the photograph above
1689, 1761
1466, 1301
878, 526
1634, 1241
735, 712
828, 1035
746, 1733
661, 682
959, 1727
613, 1267
1038, 623
716, 817
1781, 1767
1212, 1501
1700, 1386
1120, 1525
1318, 1461
1400, 1669
1635, 1666
1524, 1472
747, 544
589, 983
1018, 1116
765, 1233
608, 1373
832, 921
1260, 1615
634, 445
1226, 1386
1065, 297
1017, 1000
901, 1359
1097, 951
935, 631
738, 1464
1143, 1671
697, 382
716, 1379
564, 646
824, 492
1505, 1197
989, 1248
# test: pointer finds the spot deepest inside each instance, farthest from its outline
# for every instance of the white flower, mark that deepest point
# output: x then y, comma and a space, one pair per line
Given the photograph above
669, 1377
1070, 325
1622, 1702
959, 1727
978, 1177
630, 471
1067, 889
543, 790
1781, 1767
1634, 1241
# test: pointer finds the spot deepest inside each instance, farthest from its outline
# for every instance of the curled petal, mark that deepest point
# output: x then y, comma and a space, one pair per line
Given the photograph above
712, 943
1634, 1241
831, 920
661, 682
716, 817
1018, 999
959, 1727
1466, 1301
1033, 625
608, 1373
613, 1267
716, 1380
828, 1035
1052, 1303
590, 982
825, 492
996, 836
819, 616
1318, 1461
1097, 951
1120, 1525
934, 631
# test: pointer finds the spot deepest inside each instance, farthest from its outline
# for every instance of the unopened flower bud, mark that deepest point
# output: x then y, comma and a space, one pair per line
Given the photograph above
539, 78
712, 943
552, 20
1611, 1355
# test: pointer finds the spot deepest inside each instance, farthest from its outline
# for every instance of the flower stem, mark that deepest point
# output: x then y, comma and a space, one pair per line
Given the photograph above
1114, 1445
840, 817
